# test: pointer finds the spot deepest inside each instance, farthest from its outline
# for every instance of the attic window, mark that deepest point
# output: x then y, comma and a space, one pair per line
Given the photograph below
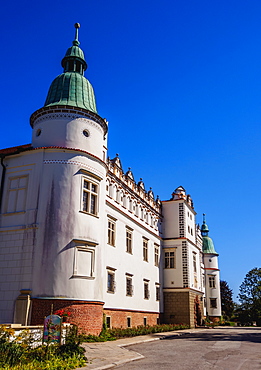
86, 133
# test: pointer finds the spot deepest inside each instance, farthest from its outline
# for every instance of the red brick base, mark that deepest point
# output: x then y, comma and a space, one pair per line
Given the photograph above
214, 318
118, 318
87, 315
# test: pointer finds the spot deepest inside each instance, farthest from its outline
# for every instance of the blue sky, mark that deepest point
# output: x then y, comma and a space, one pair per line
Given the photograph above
179, 83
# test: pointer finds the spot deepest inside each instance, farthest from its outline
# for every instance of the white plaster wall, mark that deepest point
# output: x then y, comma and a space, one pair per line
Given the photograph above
15, 267
68, 132
210, 261
213, 293
25, 164
123, 262
61, 221
173, 278
170, 211
17, 233
194, 251
190, 230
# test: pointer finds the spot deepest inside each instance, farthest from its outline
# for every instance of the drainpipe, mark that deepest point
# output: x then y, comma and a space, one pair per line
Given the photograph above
2, 181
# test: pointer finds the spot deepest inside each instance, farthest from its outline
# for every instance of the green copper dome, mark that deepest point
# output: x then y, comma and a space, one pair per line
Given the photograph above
208, 245
71, 87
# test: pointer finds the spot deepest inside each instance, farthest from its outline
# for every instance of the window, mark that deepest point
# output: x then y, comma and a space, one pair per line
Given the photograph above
16, 196
156, 255
146, 290
157, 293
145, 249
212, 281
110, 282
169, 260
90, 197
195, 282
213, 302
128, 322
108, 321
84, 258
128, 240
111, 231
144, 321
194, 263
129, 287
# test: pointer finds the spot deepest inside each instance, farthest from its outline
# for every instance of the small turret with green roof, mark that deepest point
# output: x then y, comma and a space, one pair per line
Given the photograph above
208, 245
71, 88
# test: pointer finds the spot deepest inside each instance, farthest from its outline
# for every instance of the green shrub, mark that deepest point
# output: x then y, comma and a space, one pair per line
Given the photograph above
228, 323
116, 333
143, 330
17, 354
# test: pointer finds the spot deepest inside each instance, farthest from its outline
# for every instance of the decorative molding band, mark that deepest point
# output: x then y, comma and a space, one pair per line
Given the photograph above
69, 116
68, 111
75, 163
132, 219
185, 264
181, 221
130, 310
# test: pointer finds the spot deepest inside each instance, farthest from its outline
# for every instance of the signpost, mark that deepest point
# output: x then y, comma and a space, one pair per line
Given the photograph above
52, 329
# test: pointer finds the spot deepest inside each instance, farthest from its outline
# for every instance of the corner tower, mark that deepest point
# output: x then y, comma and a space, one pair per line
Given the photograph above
69, 116
69, 141
212, 278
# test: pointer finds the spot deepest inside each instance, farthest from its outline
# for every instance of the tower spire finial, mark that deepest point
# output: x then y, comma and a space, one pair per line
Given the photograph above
76, 41
204, 218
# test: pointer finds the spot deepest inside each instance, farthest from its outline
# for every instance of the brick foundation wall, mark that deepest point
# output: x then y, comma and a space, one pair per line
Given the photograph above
88, 316
193, 298
176, 308
118, 318
179, 307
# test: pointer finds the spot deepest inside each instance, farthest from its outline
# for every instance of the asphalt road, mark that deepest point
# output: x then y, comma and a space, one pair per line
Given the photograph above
220, 348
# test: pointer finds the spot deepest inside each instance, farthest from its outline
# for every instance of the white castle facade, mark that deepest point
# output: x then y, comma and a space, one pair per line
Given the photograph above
78, 233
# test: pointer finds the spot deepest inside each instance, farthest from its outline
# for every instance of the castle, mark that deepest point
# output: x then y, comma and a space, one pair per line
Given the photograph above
77, 232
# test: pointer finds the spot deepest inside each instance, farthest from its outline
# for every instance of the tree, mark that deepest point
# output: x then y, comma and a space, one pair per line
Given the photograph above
227, 304
250, 296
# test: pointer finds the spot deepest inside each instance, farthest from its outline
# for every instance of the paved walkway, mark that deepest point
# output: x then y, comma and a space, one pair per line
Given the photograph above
105, 355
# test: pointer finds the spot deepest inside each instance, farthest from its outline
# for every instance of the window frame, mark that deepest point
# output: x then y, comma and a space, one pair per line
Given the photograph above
108, 321
213, 302
146, 289
157, 292
88, 195
128, 322
194, 262
212, 281
111, 231
156, 254
112, 287
129, 286
145, 249
168, 258
16, 190
128, 237
88, 247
